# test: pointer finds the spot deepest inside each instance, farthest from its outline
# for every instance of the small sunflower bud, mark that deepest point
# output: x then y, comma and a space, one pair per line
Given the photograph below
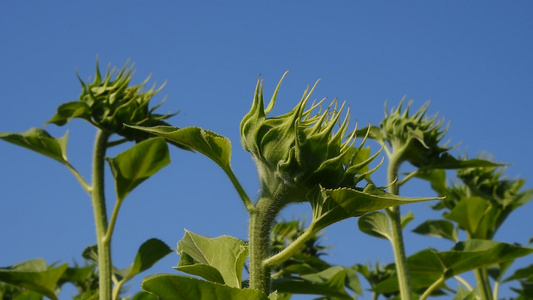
415, 137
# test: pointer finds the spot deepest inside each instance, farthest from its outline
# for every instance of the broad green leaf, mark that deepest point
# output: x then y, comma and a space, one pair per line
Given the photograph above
149, 253
137, 164
220, 259
437, 179
375, 224
329, 282
469, 212
212, 145
144, 296
68, 111
175, 287
331, 206
438, 228
13, 292
39, 140
427, 266
34, 275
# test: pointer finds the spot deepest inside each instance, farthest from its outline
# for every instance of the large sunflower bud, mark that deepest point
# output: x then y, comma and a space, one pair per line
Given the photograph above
108, 103
300, 150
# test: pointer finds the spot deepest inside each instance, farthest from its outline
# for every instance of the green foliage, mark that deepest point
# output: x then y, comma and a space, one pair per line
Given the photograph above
108, 103
306, 155
218, 259
138, 163
34, 275
174, 287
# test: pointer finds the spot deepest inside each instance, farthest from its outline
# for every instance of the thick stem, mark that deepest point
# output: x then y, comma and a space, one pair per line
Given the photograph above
396, 231
100, 216
261, 221
482, 280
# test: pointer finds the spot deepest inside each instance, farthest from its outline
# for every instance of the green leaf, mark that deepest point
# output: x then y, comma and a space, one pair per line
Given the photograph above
469, 212
329, 282
144, 296
331, 206
463, 294
427, 266
34, 275
149, 253
522, 273
219, 259
137, 164
375, 224
175, 287
210, 144
39, 140
407, 218
438, 228
448, 162
68, 111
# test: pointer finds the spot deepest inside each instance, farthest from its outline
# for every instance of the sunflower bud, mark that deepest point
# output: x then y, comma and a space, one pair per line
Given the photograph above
300, 150
109, 103
415, 138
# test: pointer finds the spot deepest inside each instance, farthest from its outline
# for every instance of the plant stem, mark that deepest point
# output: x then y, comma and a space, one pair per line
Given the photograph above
396, 231
286, 253
261, 221
483, 283
431, 288
100, 216
244, 197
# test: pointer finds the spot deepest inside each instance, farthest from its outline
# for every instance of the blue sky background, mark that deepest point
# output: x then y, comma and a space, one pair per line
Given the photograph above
473, 60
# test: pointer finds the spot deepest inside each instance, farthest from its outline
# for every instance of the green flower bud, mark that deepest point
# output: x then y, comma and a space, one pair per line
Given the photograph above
301, 150
109, 103
414, 138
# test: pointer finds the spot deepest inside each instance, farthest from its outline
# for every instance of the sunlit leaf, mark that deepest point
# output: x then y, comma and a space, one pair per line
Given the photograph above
469, 212
34, 275
212, 145
331, 206
149, 253
427, 266
144, 296
438, 228
175, 287
375, 224
137, 164
329, 282
219, 259
39, 140
68, 111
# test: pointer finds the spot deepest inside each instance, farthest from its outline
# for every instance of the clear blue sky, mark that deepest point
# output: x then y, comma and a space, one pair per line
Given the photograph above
472, 59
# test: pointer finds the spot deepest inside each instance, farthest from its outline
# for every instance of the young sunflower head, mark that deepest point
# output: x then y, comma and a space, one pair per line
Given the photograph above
108, 103
415, 137
300, 150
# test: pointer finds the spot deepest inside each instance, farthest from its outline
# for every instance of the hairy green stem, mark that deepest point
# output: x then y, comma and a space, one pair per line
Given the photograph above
396, 231
100, 216
433, 287
482, 280
262, 219
286, 253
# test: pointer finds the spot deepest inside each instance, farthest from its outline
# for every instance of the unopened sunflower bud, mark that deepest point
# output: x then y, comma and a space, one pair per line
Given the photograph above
301, 150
